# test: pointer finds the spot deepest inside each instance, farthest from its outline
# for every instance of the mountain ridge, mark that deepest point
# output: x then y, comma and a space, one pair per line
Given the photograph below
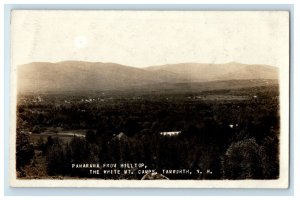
82, 75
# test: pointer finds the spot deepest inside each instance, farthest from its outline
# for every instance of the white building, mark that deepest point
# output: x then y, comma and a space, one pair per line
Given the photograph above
171, 133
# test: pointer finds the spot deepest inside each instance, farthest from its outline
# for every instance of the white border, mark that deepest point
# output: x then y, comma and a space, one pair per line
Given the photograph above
295, 97
282, 182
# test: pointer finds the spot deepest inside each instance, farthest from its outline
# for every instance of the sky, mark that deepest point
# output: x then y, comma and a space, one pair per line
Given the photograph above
147, 38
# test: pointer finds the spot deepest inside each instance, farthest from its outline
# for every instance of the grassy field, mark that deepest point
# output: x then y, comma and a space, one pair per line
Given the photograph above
65, 136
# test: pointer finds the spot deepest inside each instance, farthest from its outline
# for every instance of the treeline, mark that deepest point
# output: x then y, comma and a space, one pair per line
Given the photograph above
242, 159
232, 139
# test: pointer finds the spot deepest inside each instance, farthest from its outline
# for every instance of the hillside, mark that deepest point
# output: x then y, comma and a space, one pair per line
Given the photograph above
76, 75
196, 72
85, 76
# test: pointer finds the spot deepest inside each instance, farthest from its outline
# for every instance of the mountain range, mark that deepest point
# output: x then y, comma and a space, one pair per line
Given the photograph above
97, 76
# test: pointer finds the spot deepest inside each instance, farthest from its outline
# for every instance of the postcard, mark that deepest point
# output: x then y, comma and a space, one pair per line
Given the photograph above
161, 99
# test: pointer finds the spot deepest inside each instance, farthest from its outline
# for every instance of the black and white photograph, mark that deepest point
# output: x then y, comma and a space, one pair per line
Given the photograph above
149, 99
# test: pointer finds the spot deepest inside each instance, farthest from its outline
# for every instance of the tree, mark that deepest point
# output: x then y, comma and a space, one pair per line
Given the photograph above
90, 136
41, 145
36, 129
55, 160
242, 160
269, 153
49, 141
79, 150
24, 151
131, 127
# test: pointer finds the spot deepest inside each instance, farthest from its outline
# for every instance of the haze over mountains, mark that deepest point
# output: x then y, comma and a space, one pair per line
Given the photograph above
97, 76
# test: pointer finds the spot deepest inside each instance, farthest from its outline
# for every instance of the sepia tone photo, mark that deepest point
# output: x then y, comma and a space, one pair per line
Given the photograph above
149, 99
